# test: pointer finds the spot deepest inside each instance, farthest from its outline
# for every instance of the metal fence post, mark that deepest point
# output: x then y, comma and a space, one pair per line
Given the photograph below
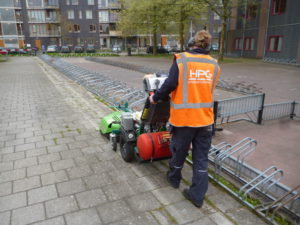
260, 112
216, 103
293, 110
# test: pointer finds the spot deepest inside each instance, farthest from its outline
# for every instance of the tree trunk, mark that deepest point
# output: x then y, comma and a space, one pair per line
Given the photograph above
181, 31
222, 40
154, 41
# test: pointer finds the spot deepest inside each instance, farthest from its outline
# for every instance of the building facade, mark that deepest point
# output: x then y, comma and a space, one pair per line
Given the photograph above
268, 29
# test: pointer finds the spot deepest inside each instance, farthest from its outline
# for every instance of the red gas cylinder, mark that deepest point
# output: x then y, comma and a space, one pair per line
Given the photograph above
154, 145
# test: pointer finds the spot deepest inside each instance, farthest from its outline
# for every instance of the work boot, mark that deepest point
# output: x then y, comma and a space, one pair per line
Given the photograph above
187, 195
172, 183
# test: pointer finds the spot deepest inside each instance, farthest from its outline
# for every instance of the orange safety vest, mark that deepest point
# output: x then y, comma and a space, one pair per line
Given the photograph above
192, 101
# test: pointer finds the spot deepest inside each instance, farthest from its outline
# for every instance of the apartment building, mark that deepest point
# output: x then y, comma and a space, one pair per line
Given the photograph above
268, 29
11, 24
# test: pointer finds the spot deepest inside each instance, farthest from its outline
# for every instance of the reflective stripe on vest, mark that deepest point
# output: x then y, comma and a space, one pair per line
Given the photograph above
185, 105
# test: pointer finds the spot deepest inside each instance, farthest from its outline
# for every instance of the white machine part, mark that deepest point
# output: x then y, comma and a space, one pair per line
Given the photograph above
153, 82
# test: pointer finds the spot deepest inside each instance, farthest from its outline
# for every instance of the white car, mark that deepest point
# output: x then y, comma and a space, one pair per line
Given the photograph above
116, 48
52, 48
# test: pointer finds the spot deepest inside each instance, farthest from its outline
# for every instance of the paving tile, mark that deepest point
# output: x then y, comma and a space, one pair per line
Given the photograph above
36, 152
5, 218
220, 219
122, 175
42, 132
184, 212
38, 170
41, 194
103, 167
143, 202
34, 139
168, 195
19, 141
55, 221
46, 143
118, 191
57, 148
26, 184
5, 188
13, 201
86, 160
70, 187
7, 150
49, 158
224, 202
13, 156
83, 217
91, 198
203, 221
6, 166
77, 144
55, 177
28, 214
97, 180
27, 162
27, 134
114, 211
12, 175
60, 206
78, 172
142, 169
144, 218
248, 218
71, 154
63, 164
108, 155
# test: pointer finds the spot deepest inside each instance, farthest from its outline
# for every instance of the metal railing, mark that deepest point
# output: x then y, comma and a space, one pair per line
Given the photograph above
224, 109
272, 198
113, 92
278, 110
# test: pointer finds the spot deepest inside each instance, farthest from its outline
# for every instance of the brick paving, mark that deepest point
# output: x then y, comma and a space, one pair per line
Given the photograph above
56, 169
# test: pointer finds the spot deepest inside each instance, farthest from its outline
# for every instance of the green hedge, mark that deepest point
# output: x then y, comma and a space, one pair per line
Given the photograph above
81, 54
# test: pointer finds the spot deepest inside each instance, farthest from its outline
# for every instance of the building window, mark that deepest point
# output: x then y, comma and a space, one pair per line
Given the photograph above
92, 28
70, 28
275, 43
70, 14
238, 44
36, 16
278, 7
34, 3
102, 4
249, 44
74, 2
76, 28
91, 2
80, 14
251, 11
103, 29
216, 16
89, 14
217, 28
103, 16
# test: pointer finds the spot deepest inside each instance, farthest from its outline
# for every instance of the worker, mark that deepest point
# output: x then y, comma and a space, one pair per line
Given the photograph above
192, 79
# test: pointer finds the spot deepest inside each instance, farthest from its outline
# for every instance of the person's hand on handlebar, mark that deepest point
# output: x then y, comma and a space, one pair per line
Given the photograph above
151, 99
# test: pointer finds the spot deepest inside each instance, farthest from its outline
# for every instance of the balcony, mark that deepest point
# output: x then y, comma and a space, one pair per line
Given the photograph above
115, 33
50, 33
52, 20
51, 4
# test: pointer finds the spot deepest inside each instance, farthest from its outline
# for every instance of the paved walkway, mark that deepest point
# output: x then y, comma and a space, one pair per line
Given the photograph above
56, 169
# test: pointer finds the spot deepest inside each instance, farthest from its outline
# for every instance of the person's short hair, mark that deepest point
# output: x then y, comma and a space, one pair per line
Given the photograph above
202, 39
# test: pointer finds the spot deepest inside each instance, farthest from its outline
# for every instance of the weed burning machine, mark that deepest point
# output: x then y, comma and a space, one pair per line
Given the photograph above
144, 136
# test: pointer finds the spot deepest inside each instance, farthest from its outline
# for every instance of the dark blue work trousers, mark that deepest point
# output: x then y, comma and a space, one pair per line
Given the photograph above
180, 143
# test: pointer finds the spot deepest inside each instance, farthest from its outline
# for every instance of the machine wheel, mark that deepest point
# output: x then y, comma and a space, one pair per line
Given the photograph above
126, 149
114, 143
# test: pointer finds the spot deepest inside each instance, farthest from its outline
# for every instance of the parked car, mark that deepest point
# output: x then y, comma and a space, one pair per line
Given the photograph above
65, 49
90, 49
78, 49
13, 51
160, 50
215, 47
116, 49
3, 51
52, 48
